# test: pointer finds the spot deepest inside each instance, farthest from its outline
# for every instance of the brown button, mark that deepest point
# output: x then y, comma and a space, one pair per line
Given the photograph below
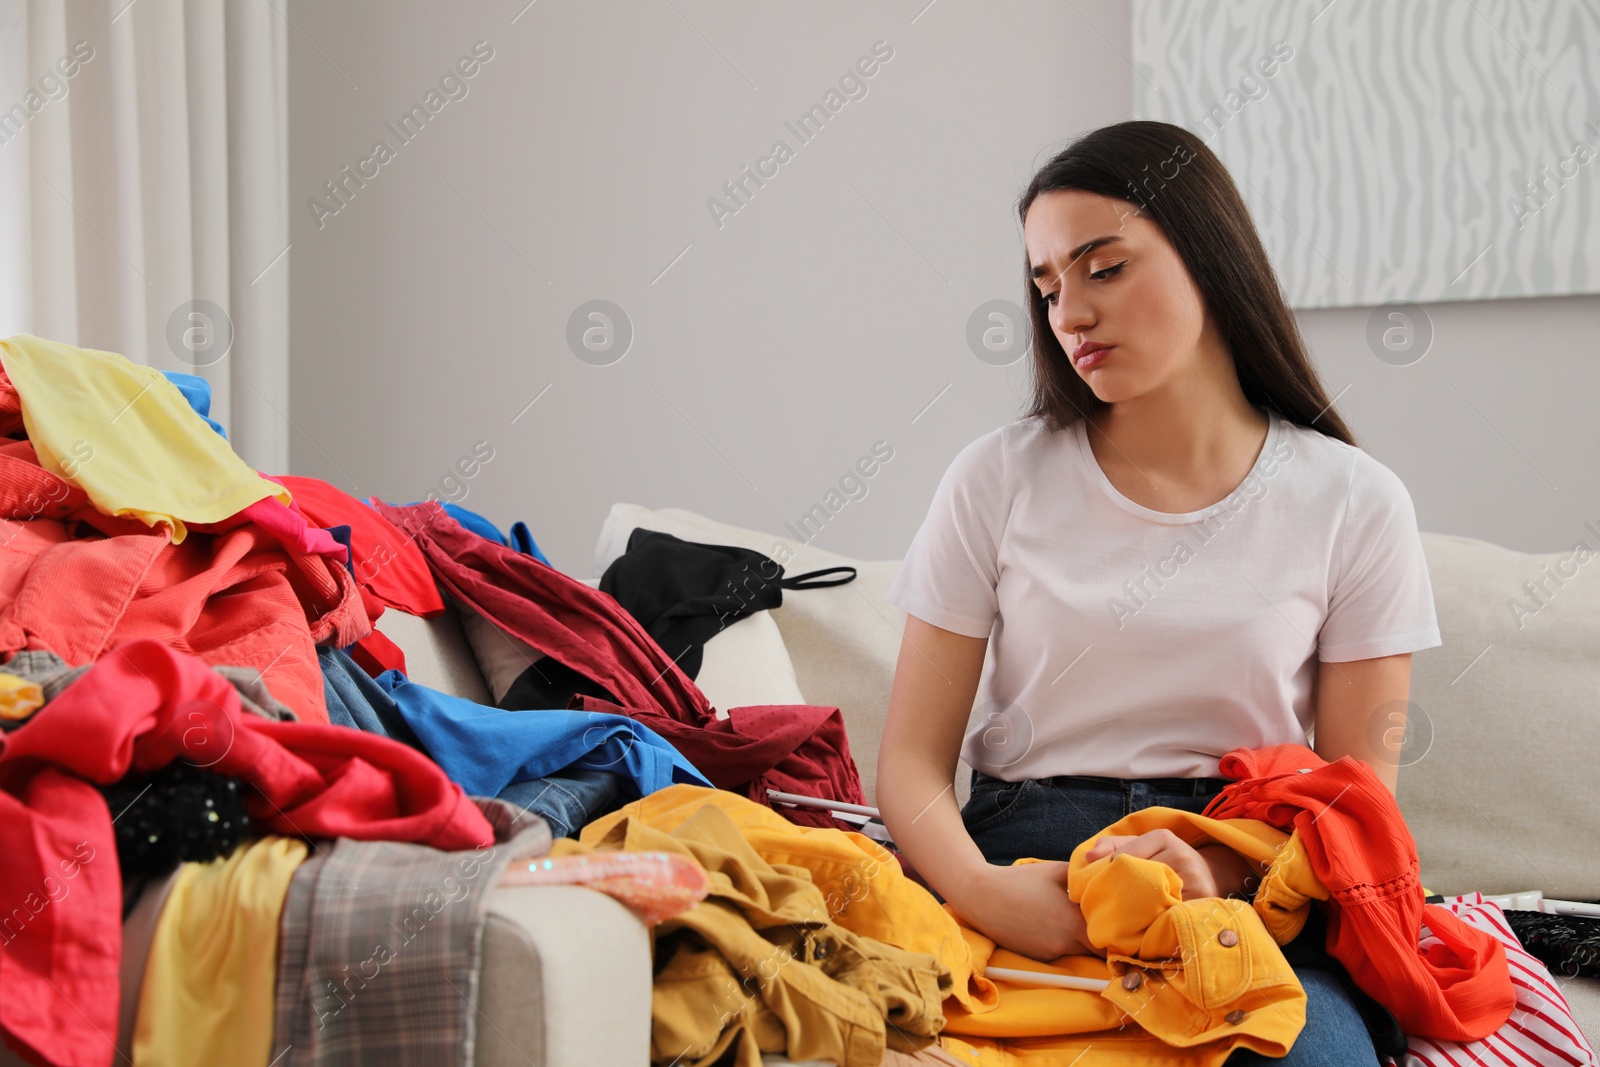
1235, 1016
1132, 980
1229, 938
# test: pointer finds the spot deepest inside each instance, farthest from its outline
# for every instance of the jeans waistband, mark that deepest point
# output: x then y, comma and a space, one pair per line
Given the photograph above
1197, 787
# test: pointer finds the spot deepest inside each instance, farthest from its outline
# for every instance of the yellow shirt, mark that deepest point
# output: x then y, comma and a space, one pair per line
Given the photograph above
125, 435
208, 985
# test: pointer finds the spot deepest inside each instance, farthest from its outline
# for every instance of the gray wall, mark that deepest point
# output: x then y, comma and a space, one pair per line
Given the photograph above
829, 313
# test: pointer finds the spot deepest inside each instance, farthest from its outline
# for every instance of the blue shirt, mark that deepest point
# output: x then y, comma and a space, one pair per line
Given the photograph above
486, 749
197, 391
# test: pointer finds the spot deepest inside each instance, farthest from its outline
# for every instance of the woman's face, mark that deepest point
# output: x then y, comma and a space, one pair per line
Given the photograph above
1109, 275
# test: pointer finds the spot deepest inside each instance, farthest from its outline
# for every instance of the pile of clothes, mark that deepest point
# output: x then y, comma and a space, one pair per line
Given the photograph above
193, 693
212, 765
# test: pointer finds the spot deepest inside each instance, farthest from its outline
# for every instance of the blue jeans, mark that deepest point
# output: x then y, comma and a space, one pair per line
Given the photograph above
354, 699
1047, 818
569, 799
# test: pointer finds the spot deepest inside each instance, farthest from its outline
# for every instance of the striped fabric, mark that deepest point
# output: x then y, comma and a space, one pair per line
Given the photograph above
1541, 1031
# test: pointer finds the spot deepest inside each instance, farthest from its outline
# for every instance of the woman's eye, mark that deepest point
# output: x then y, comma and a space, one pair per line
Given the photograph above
1108, 271
1049, 298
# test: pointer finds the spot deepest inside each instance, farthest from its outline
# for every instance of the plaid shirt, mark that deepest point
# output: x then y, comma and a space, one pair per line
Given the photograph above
380, 944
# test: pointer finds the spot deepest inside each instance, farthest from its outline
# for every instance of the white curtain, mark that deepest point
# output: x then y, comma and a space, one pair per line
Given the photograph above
144, 193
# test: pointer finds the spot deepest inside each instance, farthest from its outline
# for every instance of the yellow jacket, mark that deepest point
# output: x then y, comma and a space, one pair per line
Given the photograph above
1199, 978
1191, 977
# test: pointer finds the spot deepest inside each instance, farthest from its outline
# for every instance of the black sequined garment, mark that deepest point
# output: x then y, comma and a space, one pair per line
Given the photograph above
178, 814
1567, 944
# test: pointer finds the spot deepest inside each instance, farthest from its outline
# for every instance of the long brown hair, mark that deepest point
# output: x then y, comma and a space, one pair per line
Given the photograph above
1200, 211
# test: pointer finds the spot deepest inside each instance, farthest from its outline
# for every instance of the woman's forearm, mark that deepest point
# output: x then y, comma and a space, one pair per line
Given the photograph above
1023, 907
920, 811
1006, 904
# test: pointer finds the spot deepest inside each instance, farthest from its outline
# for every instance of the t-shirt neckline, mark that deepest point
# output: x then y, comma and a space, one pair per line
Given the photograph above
1081, 433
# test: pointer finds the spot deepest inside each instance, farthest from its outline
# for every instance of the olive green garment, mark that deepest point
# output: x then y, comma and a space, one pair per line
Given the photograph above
758, 966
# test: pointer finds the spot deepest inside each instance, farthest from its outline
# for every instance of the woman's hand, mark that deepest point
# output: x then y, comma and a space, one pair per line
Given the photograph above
1210, 870
1025, 908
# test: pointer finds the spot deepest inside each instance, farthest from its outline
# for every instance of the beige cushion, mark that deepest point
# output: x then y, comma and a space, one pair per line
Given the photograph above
1506, 795
843, 640
501, 657
746, 663
1583, 996
437, 654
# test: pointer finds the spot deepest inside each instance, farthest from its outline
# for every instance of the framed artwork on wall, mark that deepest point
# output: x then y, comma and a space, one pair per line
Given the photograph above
1426, 151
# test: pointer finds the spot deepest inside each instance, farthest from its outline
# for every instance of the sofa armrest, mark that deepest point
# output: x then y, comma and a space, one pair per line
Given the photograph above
565, 980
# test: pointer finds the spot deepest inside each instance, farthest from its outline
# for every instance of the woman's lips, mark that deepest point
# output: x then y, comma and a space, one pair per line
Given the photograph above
1094, 358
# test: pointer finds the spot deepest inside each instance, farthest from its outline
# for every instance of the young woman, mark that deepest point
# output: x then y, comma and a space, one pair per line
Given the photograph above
1179, 550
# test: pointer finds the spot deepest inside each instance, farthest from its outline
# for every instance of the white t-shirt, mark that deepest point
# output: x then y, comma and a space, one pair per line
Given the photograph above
1137, 643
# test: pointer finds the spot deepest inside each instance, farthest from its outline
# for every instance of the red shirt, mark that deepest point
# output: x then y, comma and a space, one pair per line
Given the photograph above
1359, 847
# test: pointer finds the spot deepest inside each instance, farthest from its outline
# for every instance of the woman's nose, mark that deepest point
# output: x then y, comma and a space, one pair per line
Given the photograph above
1072, 316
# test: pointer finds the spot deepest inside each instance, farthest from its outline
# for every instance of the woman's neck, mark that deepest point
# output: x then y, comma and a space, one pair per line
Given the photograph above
1178, 443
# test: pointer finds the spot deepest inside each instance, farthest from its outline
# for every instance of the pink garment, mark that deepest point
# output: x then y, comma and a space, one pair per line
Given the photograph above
291, 528
284, 522
387, 565
655, 885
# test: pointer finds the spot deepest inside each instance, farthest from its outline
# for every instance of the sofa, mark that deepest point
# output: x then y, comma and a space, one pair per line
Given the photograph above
1504, 719
1503, 722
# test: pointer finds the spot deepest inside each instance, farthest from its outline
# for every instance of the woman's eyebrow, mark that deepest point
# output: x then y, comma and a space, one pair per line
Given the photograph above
1077, 253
